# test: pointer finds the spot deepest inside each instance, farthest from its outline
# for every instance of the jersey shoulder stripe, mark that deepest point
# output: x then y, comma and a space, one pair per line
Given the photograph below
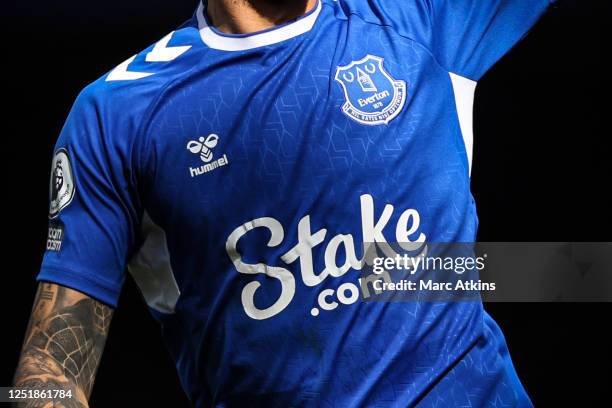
142, 77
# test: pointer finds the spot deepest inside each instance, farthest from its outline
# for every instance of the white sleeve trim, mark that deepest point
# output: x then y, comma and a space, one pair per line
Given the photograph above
152, 271
465, 90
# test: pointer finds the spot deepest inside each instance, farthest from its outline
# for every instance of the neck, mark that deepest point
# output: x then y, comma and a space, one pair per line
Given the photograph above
249, 16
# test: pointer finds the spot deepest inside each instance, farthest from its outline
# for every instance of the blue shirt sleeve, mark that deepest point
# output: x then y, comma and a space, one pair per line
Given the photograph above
94, 207
465, 36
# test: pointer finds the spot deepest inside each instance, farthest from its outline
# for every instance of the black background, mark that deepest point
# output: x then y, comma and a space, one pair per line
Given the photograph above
541, 173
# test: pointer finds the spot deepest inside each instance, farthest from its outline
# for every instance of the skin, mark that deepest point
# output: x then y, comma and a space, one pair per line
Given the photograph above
67, 330
248, 16
63, 345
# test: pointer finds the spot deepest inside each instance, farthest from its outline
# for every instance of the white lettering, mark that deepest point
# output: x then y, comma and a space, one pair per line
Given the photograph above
283, 275
372, 232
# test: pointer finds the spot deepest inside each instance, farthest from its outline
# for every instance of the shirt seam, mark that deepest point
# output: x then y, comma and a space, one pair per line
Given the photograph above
144, 124
395, 30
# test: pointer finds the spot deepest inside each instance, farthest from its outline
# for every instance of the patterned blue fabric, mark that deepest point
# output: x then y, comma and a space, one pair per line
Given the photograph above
267, 167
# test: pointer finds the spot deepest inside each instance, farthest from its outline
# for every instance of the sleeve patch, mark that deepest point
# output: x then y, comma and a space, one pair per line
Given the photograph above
61, 185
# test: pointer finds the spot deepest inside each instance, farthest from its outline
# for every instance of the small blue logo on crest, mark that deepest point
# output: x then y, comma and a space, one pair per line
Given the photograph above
373, 97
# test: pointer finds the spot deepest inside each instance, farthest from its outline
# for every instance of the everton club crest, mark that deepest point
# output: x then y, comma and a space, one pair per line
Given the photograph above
372, 96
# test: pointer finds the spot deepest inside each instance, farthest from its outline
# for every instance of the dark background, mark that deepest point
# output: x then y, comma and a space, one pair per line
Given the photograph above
542, 173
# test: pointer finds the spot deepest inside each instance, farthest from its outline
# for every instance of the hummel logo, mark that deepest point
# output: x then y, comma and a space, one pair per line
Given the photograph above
204, 148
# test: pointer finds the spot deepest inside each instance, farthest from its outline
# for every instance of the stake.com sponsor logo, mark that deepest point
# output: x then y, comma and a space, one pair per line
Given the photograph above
372, 232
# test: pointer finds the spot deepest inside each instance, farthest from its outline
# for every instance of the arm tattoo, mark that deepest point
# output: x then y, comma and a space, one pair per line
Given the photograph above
63, 345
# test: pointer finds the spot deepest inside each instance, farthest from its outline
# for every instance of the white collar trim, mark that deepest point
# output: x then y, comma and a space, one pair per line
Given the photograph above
274, 35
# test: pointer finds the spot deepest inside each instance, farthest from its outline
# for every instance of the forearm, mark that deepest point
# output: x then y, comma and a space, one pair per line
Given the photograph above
63, 345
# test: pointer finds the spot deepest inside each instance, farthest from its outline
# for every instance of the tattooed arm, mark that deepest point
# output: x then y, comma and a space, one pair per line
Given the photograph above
63, 345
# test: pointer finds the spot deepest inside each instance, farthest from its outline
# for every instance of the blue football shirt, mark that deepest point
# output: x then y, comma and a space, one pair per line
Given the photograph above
237, 176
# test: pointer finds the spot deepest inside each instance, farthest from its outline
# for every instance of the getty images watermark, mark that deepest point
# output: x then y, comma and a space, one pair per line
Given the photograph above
492, 272
411, 264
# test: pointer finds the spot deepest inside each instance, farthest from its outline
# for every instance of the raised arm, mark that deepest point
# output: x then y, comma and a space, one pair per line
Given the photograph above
63, 345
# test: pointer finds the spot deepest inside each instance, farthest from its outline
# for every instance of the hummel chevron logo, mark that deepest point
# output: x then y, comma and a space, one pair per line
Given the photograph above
121, 73
160, 53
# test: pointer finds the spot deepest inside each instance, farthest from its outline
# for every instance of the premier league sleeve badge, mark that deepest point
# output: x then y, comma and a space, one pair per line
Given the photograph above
61, 188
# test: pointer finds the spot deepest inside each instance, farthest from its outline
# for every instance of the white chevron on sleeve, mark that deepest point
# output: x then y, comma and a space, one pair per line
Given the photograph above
162, 53
121, 73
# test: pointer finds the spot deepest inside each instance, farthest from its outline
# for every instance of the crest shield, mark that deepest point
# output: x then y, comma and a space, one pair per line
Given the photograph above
372, 96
